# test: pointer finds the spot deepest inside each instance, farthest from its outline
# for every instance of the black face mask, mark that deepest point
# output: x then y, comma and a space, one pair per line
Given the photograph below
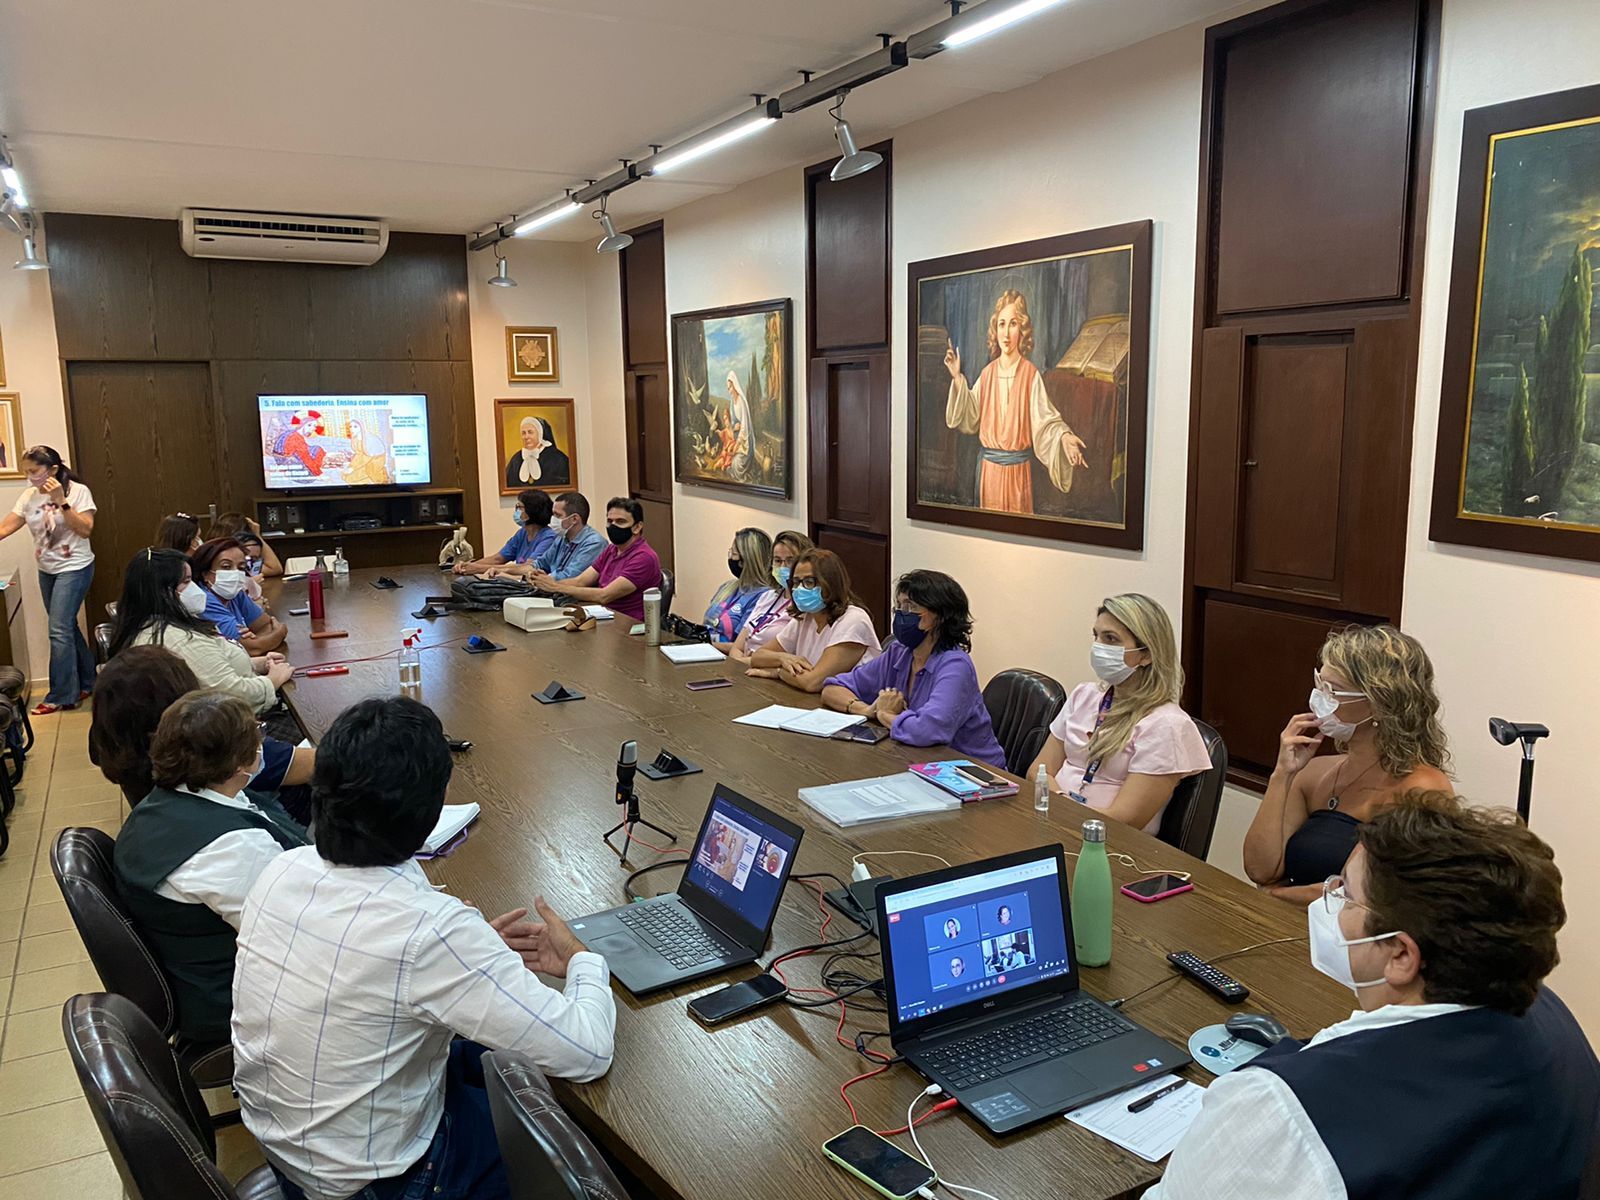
735, 567
619, 533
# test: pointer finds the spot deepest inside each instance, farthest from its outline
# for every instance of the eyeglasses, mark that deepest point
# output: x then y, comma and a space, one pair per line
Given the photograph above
1333, 888
909, 606
1320, 684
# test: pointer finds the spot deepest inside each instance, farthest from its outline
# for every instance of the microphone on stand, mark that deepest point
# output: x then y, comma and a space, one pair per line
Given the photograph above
627, 767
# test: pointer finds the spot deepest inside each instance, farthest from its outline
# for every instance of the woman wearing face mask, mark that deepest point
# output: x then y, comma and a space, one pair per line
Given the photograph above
750, 564
1373, 697
533, 537
1122, 745
826, 635
923, 688
770, 613
189, 853
59, 511
219, 566
161, 605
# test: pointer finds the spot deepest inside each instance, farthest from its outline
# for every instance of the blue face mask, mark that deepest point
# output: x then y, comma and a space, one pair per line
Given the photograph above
519, 517
907, 631
781, 574
808, 599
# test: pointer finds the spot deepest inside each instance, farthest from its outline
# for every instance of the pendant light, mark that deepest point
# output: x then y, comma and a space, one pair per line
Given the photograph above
852, 161
502, 274
613, 242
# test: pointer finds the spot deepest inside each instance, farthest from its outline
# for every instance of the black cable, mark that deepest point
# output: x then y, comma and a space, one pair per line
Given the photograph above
1208, 962
823, 875
627, 884
826, 1001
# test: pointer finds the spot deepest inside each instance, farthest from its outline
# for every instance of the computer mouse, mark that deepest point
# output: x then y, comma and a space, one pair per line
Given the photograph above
1256, 1027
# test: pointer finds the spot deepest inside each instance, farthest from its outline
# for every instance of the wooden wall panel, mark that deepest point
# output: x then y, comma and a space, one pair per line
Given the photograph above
1382, 366
848, 307
1214, 466
644, 297
646, 395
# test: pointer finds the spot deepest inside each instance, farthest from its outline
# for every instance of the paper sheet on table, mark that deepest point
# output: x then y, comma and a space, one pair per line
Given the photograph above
1150, 1134
821, 722
697, 652
863, 800
453, 818
599, 612
772, 716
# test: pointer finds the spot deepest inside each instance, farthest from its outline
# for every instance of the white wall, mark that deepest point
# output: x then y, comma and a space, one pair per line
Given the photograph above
1510, 635
33, 371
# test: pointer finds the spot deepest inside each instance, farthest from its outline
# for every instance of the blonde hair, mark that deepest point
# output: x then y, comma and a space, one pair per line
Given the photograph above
1025, 342
1393, 671
1149, 687
755, 558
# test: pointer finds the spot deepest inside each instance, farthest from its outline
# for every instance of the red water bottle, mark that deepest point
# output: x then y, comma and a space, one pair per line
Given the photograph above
314, 586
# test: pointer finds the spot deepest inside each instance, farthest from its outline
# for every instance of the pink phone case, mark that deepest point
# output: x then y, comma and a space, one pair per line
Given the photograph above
1185, 886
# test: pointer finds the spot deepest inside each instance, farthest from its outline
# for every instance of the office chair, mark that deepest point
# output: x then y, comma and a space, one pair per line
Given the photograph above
547, 1156
80, 859
1021, 705
149, 1111
1191, 815
669, 589
102, 642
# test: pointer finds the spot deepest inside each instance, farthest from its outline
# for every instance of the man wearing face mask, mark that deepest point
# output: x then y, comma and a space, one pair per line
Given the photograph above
190, 852
625, 570
923, 688
1459, 1077
219, 567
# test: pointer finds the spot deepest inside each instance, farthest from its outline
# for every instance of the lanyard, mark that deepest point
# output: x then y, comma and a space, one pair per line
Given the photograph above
1093, 768
771, 615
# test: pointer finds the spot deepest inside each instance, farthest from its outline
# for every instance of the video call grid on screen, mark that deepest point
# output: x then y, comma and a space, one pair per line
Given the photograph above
739, 861
344, 440
954, 942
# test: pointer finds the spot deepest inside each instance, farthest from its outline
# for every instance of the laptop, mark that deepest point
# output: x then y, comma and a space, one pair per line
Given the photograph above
720, 915
983, 993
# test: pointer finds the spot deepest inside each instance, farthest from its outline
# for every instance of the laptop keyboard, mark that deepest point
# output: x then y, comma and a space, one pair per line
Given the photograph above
981, 1057
675, 937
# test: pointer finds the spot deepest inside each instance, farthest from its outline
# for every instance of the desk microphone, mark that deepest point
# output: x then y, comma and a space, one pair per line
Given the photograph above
627, 766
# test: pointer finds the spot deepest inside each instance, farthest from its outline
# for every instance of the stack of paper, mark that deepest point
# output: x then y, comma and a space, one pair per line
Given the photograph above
599, 612
692, 652
863, 800
1150, 1133
818, 722
452, 820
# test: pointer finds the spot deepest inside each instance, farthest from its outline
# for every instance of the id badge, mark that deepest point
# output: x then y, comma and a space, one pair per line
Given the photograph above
1076, 796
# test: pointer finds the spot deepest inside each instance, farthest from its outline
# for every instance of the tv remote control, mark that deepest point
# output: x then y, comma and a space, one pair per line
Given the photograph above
1219, 983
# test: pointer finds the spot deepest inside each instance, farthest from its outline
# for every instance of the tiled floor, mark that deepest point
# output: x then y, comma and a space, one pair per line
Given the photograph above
50, 1148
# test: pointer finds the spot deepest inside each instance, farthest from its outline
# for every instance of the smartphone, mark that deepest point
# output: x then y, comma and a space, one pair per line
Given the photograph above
737, 999
1157, 887
980, 776
705, 685
304, 611
879, 1163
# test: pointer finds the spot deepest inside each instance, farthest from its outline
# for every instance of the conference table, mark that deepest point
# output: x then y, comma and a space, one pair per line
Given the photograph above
702, 1114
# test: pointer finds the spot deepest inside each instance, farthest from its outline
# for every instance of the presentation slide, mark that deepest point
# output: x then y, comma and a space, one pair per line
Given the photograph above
344, 441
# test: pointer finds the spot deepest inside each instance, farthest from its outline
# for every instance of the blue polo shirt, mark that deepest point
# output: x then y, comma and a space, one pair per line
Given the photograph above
523, 549
566, 559
231, 617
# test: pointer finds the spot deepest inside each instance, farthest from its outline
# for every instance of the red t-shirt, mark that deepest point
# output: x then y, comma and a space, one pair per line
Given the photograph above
636, 563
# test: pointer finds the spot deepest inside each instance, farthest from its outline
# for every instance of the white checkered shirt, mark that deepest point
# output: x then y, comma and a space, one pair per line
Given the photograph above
349, 985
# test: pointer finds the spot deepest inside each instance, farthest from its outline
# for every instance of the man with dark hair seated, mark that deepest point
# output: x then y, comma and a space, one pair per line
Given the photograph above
358, 986
1461, 1077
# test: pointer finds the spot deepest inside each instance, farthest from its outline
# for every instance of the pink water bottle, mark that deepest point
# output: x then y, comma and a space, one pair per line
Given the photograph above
314, 586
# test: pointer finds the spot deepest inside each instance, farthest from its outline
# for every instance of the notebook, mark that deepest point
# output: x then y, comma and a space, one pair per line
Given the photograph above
964, 779
862, 800
694, 652
817, 722
452, 820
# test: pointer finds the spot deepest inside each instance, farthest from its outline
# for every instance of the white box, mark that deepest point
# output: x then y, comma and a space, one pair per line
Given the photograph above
532, 614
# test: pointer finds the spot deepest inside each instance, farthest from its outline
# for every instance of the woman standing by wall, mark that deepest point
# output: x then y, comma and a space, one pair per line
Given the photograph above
59, 511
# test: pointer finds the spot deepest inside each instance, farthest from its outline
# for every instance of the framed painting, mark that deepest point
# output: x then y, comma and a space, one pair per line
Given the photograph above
732, 405
11, 443
1028, 376
2, 364
533, 354
536, 445
1518, 462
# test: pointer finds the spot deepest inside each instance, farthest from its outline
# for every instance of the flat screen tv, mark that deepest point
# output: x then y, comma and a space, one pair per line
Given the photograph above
332, 441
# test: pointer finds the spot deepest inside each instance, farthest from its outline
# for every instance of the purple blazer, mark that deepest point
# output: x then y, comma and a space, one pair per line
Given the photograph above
944, 707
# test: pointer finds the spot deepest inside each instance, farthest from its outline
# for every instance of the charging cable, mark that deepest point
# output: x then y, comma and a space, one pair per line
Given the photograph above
1128, 861
859, 871
933, 1089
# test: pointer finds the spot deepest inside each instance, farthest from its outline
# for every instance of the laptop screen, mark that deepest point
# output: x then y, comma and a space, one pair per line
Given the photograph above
742, 859
976, 936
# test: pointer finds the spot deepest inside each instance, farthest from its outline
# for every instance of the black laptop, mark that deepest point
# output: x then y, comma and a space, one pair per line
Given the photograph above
983, 994
723, 909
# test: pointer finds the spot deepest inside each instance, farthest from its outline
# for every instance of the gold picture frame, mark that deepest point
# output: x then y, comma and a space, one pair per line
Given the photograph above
533, 354
11, 440
556, 432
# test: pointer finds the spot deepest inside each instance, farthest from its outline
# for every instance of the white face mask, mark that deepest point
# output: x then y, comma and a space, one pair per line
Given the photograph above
227, 584
1330, 949
1326, 709
558, 524
1110, 663
192, 598
259, 765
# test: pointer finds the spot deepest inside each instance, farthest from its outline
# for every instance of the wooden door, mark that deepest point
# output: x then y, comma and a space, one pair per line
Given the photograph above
644, 369
144, 441
847, 331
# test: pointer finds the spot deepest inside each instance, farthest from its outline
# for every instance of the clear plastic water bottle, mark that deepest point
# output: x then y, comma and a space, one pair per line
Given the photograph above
1041, 789
410, 660
1091, 898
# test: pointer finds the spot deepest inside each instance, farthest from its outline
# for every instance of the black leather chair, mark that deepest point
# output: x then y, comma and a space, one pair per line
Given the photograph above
1191, 816
102, 642
150, 1114
1021, 705
547, 1156
669, 589
80, 859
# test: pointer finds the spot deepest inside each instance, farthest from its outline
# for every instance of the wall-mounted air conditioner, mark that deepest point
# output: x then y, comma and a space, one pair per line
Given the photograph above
283, 237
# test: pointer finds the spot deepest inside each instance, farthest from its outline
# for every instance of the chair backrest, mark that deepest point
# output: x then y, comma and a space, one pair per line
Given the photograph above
547, 1156
111, 609
81, 862
102, 642
149, 1111
1021, 705
669, 589
1191, 815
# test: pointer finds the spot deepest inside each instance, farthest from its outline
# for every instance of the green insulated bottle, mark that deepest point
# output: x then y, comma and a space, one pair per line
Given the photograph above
1091, 898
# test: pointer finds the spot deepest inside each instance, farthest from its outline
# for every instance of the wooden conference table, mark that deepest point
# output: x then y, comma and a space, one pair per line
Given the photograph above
703, 1114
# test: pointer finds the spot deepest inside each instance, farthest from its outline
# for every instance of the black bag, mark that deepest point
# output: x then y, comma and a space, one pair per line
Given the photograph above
487, 595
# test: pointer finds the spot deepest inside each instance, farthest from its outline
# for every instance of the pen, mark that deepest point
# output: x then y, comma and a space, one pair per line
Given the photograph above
1146, 1101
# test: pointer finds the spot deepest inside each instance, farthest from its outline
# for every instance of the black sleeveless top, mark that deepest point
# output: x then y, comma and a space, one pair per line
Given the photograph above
1319, 847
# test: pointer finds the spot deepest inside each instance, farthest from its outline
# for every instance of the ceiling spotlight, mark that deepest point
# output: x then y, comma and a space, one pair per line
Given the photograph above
502, 275
30, 260
852, 161
613, 242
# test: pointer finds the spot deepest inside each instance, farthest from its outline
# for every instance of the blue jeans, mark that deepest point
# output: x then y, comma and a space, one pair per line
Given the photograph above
463, 1161
71, 663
